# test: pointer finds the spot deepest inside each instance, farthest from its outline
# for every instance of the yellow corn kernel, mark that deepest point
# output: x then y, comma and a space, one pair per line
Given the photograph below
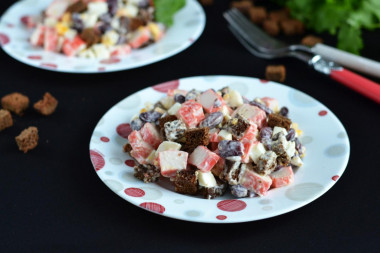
295, 127
61, 28
143, 110
226, 96
155, 30
66, 18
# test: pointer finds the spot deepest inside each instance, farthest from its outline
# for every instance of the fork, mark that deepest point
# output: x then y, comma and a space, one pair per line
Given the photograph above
354, 81
265, 43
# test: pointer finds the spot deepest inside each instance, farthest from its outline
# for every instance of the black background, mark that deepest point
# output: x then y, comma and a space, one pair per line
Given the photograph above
51, 199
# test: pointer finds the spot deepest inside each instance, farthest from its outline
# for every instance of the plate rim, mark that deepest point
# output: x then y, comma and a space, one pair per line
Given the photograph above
326, 187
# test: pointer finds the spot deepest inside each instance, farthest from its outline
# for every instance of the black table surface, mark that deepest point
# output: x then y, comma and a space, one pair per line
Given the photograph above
52, 200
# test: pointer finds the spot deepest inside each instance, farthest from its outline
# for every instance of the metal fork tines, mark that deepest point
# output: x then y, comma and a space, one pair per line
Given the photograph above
256, 36
268, 54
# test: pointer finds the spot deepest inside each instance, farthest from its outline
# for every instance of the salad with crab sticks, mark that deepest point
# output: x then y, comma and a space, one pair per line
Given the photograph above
212, 141
101, 29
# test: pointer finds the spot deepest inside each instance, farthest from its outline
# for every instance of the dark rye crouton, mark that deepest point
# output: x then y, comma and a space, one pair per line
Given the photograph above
275, 73
147, 173
292, 27
127, 148
271, 27
213, 192
165, 119
195, 137
257, 14
311, 40
5, 119
15, 102
279, 15
91, 36
206, 2
242, 6
46, 105
186, 182
77, 7
278, 120
236, 126
28, 139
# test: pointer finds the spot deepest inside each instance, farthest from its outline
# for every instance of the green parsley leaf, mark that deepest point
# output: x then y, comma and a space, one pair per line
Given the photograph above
165, 10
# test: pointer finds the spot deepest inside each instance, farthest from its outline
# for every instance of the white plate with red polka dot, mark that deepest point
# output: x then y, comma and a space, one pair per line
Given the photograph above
188, 25
324, 137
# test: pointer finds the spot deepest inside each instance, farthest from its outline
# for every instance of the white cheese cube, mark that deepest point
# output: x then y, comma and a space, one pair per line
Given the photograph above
296, 161
168, 145
101, 51
290, 148
50, 21
256, 151
89, 20
174, 109
97, 8
205, 179
70, 34
236, 99
167, 102
110, 38
224, 135
277, 129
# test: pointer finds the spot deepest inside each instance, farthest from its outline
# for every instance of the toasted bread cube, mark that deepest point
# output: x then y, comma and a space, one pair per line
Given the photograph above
191, 113
46, 105
172, 161
15, 102
249, 179
282, 177
28, 139
203, 159
271, 27
211, 101
257, 14
275, 73
311, 41
5, 119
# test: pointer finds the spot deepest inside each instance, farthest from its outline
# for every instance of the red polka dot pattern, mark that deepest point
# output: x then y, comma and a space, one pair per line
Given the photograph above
35, 57
154, 207
110, 61
231, 205
322, 113
335, 177
134, 192
130, 163
104, 139
221, 217
263, 81
97, 160
4, 39
49, 65
164, 87
124, 130
101, 69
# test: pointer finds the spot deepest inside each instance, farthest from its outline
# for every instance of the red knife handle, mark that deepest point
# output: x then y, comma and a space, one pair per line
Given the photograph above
358, 83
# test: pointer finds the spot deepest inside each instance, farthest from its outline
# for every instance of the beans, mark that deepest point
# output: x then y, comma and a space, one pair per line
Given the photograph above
230, 148
179, 98
284, 111
291, 135
266, 109
137, 124
212, 120
151, 116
